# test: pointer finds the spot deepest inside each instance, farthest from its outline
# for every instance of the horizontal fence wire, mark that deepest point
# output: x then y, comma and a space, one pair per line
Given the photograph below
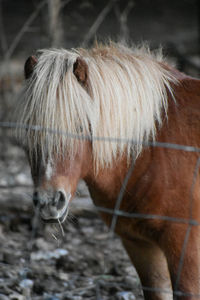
116, 212
13, 125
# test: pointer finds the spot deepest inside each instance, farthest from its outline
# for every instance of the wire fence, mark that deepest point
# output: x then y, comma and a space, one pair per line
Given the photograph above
116, 213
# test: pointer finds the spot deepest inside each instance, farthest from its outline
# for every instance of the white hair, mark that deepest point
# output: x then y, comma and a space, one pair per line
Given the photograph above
125, 99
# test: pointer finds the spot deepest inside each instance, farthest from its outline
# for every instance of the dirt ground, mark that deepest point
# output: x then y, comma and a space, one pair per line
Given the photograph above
39, 261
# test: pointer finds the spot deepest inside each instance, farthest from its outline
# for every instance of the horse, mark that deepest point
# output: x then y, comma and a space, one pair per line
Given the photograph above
127, 123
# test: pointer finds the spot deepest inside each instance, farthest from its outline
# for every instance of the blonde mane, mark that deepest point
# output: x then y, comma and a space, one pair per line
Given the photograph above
126, 95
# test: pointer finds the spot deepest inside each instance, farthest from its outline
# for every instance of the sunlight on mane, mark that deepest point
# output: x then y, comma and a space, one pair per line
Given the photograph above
126, 96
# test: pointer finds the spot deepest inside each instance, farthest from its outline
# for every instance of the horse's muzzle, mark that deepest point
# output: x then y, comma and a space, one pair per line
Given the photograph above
53, 207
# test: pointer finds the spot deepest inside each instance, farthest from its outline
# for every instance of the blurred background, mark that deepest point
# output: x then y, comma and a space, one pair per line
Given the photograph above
36, 260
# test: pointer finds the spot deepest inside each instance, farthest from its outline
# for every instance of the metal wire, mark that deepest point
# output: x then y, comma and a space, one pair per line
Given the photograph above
12, 125
116, 212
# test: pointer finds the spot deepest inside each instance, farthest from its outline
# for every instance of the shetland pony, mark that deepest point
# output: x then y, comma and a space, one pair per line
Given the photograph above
93, 115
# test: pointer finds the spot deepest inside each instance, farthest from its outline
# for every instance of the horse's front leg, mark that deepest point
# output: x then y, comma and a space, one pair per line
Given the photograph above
151, 267
181, 245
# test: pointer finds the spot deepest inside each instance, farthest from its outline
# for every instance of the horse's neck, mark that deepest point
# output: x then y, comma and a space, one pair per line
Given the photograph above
106, 186
178, 128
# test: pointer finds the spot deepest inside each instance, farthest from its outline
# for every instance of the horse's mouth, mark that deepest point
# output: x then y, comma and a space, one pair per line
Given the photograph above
58, 219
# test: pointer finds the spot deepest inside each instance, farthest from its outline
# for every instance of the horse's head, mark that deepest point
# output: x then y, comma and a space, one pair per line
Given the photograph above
55, 176
99, 94
55, 182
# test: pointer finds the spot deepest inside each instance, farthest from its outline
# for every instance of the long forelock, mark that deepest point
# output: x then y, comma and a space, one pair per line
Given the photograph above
126, 96
55, 108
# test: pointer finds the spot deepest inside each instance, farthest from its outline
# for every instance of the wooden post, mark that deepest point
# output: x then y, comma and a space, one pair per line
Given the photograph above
55, 23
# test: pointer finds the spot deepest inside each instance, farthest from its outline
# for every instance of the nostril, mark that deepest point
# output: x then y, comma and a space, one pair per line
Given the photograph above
60, 200
35, 198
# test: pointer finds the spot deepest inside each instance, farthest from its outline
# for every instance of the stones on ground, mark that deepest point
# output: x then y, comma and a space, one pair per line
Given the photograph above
46, 255
26, 286
23, 179
49, 297
131, 281
16, 296
125, 296
42, 244
86, 254
3, 297
9, 258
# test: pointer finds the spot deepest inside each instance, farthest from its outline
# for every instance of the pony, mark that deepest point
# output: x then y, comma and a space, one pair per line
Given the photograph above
115, 116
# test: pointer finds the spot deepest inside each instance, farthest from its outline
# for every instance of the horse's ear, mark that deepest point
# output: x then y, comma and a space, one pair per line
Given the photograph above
29, 66
80, 70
